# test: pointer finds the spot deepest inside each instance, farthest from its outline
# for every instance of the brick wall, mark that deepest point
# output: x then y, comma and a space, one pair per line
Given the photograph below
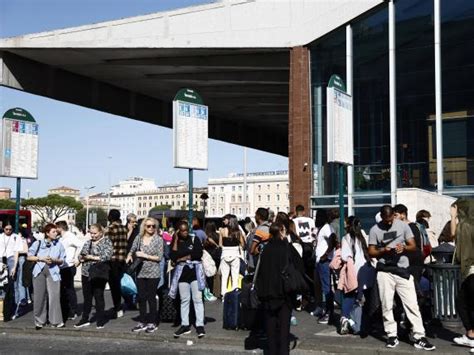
299, 129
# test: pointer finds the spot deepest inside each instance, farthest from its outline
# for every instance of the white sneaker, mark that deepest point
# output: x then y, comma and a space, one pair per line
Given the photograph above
464, 340
120, 314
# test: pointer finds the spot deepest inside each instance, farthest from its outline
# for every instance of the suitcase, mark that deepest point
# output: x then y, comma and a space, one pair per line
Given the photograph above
231, 313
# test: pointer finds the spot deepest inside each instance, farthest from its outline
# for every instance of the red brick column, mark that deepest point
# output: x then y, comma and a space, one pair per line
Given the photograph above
299, 129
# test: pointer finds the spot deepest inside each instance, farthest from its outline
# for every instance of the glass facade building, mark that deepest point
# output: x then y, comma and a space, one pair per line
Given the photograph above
415, 101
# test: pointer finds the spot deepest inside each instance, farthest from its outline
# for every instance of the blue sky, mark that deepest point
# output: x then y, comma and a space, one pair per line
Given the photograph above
74, 141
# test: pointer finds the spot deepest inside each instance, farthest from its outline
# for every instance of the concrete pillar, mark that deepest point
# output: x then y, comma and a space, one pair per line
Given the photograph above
299, 129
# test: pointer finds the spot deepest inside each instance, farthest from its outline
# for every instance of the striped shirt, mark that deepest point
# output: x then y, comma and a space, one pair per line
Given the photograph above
117, 234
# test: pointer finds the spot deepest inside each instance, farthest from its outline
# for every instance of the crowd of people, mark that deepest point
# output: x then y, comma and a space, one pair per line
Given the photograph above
278, 264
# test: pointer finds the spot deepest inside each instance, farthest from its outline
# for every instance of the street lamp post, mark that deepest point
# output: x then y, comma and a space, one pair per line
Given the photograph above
87, 204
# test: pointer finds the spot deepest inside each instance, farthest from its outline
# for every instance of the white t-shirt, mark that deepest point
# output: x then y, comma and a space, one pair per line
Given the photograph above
305, 228
72, 245
9, 245
322, 245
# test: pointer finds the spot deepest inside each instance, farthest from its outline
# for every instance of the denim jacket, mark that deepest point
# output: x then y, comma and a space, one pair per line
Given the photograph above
200, 277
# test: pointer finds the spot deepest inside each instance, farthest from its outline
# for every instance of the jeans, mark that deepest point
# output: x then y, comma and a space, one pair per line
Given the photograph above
324, 273
163, 267
348, 302
147, 295
465, 303
20, 291
93, 289
185, 291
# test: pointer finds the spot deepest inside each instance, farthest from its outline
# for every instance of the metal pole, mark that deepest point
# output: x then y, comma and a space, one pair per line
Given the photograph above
87, 211
341, 201
393, 112
349, 78
438, 98
17, 207
244, 198
190, 200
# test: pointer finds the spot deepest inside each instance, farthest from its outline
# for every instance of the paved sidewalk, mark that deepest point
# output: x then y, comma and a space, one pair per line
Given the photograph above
311, 337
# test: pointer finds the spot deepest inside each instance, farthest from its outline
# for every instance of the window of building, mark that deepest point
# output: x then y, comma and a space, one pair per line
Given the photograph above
259, 187
233, 210
259, 198
278, 186
240, 187
268, 186
268, 198
232, 198
240, 198
240, 211
213, 189
233, 188
278, 197
213, 211
222, 188
222, 199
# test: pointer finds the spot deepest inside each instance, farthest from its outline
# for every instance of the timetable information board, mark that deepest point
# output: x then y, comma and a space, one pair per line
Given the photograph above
340, 146
19, 155
190, 134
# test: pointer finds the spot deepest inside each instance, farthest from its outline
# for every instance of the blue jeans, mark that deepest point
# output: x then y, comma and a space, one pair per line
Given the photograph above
185, 291
20, 291
163, 277
325, 278
348, 303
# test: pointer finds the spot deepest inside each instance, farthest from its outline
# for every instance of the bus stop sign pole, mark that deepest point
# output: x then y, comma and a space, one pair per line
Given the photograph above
17, 208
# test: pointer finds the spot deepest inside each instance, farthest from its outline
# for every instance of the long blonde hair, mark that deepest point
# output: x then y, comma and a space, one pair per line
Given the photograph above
143, 225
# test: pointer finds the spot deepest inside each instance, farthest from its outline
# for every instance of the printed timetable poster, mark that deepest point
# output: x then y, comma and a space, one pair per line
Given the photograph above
190, 131
19, 146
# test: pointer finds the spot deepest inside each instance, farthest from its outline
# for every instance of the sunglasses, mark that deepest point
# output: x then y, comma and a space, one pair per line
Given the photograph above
150, 226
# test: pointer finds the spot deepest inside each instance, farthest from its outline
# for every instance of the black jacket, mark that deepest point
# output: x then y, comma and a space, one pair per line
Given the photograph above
269, 281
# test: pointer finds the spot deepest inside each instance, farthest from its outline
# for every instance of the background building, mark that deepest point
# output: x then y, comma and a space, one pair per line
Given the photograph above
66, 192
264, 189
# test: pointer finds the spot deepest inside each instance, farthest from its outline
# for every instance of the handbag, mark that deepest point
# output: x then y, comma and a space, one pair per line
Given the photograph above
208, 264
99, 270
28, 266
136, 264
293, 280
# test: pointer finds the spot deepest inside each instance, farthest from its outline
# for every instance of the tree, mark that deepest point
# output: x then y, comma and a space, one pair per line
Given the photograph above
161, 208
52, 207
7, 205
81, 216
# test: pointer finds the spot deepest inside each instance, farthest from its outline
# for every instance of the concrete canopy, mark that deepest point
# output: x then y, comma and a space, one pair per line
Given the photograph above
234, 53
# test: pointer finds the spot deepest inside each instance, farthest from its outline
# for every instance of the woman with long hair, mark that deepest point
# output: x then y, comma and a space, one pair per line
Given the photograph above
231, 240
277, 303
148, 247
98, 249
48, 254
354, 246
188, 278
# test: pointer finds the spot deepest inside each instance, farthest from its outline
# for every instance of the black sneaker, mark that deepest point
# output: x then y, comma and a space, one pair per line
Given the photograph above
82, 323
139, 327
424, 344
201, 332
392, 342
182, 331
99, 325
150, 328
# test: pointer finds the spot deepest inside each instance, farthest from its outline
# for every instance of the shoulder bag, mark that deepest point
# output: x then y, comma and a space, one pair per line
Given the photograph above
99, 270
293, 280
28, 266
208, 264
137, 263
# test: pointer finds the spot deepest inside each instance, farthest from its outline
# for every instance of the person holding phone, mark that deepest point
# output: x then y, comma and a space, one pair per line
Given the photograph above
389, 240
